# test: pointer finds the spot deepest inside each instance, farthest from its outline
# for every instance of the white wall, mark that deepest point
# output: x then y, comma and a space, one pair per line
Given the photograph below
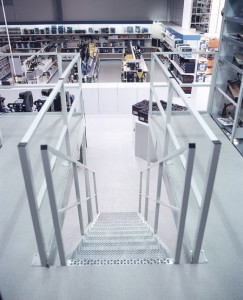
86, 10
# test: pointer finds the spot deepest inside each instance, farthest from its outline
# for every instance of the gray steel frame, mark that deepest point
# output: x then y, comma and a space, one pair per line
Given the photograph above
185, 198
52, 198
205, 198
34, 199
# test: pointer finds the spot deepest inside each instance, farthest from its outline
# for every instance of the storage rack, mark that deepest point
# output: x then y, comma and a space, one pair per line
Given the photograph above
110, 40
226, 95
4, 63
181, 66
133, 68
201, 12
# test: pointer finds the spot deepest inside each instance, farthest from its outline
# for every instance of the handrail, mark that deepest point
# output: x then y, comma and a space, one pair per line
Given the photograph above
168, 157
64, 156
32, 129
56, 212
191, 147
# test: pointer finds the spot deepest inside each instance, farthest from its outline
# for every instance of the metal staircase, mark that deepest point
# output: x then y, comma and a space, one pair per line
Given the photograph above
119, 238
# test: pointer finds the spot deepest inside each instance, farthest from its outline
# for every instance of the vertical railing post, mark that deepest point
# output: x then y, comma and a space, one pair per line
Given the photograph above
168, 119
87, 183
140, 192
206, 199
65, 118
185, 200
59, 63
53, 204
95, 191
32, 199
158, 193
78, 197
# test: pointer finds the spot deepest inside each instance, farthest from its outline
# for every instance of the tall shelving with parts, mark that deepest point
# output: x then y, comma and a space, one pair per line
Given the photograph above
225, 103
201, 12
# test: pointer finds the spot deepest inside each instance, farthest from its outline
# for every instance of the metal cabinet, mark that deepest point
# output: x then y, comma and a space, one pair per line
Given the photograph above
225, 103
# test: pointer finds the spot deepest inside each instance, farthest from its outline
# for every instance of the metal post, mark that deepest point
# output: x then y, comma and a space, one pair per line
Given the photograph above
206, 199
53, 204
185, 199
140, 192
95, 191
213, 81
157, 207
147, 194
78, 197
59, 63
32, 199
168, 119
65, 118
87, 183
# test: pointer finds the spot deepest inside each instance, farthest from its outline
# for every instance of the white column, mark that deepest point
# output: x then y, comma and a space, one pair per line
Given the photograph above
216, 18
187, 14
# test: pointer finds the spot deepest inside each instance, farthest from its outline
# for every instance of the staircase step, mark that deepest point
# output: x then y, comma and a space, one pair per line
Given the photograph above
102, 262
119, 239
119, 232
118, 248
122, 243
118, 223
120, 254
119, 228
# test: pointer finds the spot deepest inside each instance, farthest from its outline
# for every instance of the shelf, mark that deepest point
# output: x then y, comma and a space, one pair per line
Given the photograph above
233, 40
179, 68
231, 65
238, 20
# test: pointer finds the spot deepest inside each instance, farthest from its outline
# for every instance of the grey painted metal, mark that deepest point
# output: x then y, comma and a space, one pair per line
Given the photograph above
237, 113
185, 200
225, 95
64, 209
168, 119
213, 80
78, 197
147, 194
168, 157
68, 158
65, 118
95, 190
140, 192
87, 183
53, 205
59, 63
42, 190
206, 199
158, 194
194, 112
32, 199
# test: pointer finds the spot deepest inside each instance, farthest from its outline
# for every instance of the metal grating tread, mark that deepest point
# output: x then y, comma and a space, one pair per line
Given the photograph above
109, 242
111, 262
119, 238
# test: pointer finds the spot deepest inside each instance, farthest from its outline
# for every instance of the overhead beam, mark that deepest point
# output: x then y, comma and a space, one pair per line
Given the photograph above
59, 10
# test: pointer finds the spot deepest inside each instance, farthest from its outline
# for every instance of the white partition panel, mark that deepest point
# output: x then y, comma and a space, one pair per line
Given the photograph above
126, 97
108, 98
91, 98
143, 92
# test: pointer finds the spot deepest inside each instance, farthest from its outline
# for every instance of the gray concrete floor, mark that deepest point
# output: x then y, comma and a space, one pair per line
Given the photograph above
110, 152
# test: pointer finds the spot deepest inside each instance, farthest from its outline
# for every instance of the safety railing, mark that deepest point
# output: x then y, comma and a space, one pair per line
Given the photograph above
163, 127
182, 211
62, 127
45, 149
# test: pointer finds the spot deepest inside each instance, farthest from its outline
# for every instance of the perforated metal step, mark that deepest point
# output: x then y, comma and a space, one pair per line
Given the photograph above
117, 239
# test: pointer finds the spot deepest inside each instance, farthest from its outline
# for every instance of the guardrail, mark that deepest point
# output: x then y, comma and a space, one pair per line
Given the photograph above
203, 198
35, 197
185, 196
